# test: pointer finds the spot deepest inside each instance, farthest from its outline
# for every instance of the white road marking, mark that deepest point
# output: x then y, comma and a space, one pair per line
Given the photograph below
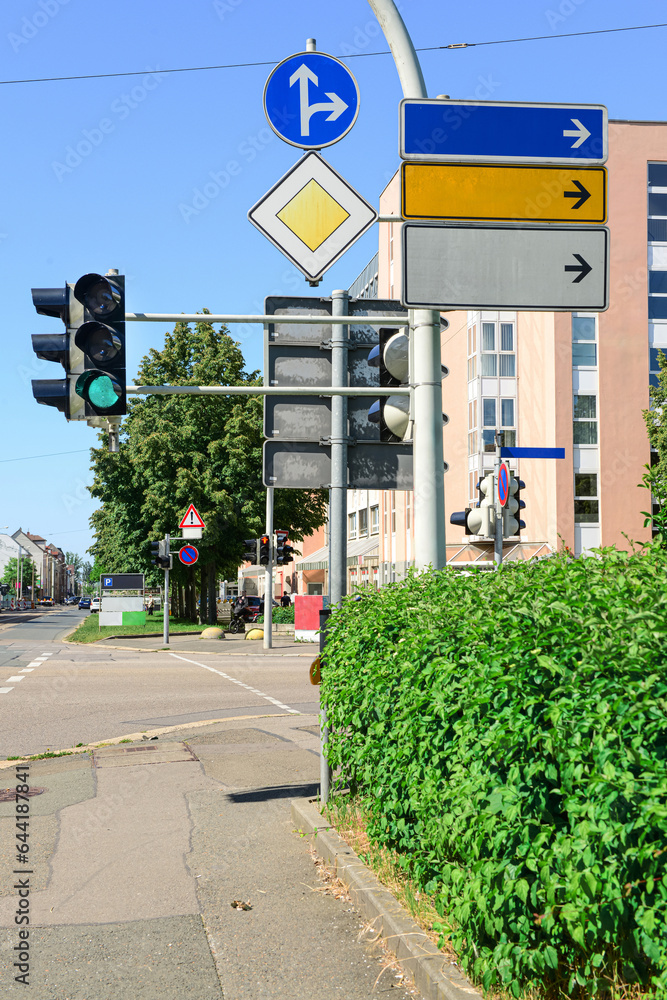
18, 677
27, 670
5, 690
35, 663
279, 704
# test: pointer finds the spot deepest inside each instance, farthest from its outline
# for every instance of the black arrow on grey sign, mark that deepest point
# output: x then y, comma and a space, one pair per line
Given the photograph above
582, 194
583, 267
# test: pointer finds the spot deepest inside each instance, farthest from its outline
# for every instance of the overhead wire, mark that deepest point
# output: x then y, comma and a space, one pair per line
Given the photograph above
351, 55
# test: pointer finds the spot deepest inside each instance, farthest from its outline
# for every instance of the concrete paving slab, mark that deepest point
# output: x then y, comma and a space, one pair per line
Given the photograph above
166, 958
130, 756
43, 837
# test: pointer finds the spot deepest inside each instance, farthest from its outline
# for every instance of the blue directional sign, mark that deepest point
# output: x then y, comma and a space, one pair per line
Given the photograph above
501, 132
311, 100
509, 452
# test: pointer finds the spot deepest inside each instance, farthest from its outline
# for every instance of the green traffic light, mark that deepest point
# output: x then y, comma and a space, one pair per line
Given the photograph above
98, 389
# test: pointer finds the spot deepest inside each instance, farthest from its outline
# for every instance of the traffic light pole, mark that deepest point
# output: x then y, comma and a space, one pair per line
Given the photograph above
268, 575
338, 490
498, 532
429, 469
165, 603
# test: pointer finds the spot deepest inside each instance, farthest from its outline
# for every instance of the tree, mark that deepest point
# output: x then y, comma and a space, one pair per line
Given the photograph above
177, 450
11, 574
655, 479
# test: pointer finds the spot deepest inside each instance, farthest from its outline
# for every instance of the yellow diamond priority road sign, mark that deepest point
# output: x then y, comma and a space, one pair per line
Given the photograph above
503, 193
312, 215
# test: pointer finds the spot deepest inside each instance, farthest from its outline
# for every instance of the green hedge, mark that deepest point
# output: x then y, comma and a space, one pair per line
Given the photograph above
508, 734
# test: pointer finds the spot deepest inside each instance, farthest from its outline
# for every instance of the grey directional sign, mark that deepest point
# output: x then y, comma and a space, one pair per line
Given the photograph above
305, 465
554, 268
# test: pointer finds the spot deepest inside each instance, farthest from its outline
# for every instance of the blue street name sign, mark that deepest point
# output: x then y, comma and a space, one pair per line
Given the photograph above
532, 452
311, 100
502, 132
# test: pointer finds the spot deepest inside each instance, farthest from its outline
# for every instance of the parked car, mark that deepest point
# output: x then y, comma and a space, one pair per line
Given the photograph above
84, 603
95, 604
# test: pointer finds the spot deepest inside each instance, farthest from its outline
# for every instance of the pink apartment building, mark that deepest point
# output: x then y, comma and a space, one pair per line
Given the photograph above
573, 380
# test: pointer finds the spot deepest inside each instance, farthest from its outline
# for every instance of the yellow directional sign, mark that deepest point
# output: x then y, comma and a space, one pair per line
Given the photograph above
503, 193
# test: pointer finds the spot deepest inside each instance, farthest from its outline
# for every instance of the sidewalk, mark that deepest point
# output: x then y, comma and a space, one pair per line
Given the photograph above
231, 645
137, 852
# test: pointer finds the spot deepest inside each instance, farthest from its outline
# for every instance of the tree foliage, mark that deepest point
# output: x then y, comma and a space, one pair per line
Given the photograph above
176, 450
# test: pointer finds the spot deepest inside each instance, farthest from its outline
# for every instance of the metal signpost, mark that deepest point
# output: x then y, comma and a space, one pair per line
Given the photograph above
497, 132
454, 266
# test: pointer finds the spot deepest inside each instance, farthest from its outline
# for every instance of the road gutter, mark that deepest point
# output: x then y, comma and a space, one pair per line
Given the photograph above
432, 972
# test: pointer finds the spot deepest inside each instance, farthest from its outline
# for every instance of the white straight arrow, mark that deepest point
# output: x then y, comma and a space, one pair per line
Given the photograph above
580, 132
336, 107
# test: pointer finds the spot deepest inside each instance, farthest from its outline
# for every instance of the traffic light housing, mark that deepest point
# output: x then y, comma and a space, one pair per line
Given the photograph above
251, 551
479, 520
512, 523
161, 555
392, 356
91, 350
284, 552
264, 550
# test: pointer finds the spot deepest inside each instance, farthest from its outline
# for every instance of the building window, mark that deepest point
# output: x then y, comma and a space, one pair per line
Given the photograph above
352, 524
375, 520
384, 514
585, 430
408, 510
489, 440
393, 512
584, 348
489, 365
488, 337
586, 503
472, 369
654, 364
506, 336
507, 365
507, 413
489, 412
363, 522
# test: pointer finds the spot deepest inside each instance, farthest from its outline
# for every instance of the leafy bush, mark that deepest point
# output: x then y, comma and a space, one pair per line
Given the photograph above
508, 734
281, 616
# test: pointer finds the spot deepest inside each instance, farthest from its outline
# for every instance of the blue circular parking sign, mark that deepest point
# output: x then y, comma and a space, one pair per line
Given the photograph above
188, 555
311, 100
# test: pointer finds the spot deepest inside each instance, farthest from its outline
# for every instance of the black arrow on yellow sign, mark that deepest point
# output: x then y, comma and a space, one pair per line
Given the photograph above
582, 194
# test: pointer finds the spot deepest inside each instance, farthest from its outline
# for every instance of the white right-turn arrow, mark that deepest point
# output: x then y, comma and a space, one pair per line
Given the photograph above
581, 133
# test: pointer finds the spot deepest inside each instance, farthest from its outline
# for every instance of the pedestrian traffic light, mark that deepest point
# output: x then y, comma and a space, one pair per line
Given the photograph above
264, 550
479, 520
251, 551
512, 524
392, 357
91, 350
101, 339
161, 556
284, 552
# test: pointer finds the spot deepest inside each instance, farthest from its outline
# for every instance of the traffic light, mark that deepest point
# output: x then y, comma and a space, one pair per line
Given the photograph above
392, 357
101, 339
251, 551
4, 589
264, 550
161, 555
479, 520
284, 552
91, 350
512, 524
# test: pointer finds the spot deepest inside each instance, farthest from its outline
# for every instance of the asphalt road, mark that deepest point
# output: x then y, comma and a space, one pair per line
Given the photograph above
68, 694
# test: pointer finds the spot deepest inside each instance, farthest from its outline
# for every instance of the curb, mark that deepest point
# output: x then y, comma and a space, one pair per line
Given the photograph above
199, 652
432, 972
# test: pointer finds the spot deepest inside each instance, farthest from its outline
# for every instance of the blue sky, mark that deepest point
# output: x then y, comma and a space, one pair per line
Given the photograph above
131, 200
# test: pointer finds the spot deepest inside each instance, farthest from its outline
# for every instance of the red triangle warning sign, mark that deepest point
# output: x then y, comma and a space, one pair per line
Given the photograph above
192, 518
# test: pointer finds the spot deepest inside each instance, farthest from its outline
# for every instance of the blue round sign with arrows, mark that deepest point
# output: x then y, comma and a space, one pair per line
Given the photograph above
311, 100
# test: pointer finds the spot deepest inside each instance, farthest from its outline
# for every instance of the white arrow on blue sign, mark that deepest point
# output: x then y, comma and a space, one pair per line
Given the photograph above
501, 132
311, 100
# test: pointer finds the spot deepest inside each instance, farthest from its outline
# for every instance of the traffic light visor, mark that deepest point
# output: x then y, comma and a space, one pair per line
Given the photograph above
52, 392
51, 347
51, 302
98, 294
